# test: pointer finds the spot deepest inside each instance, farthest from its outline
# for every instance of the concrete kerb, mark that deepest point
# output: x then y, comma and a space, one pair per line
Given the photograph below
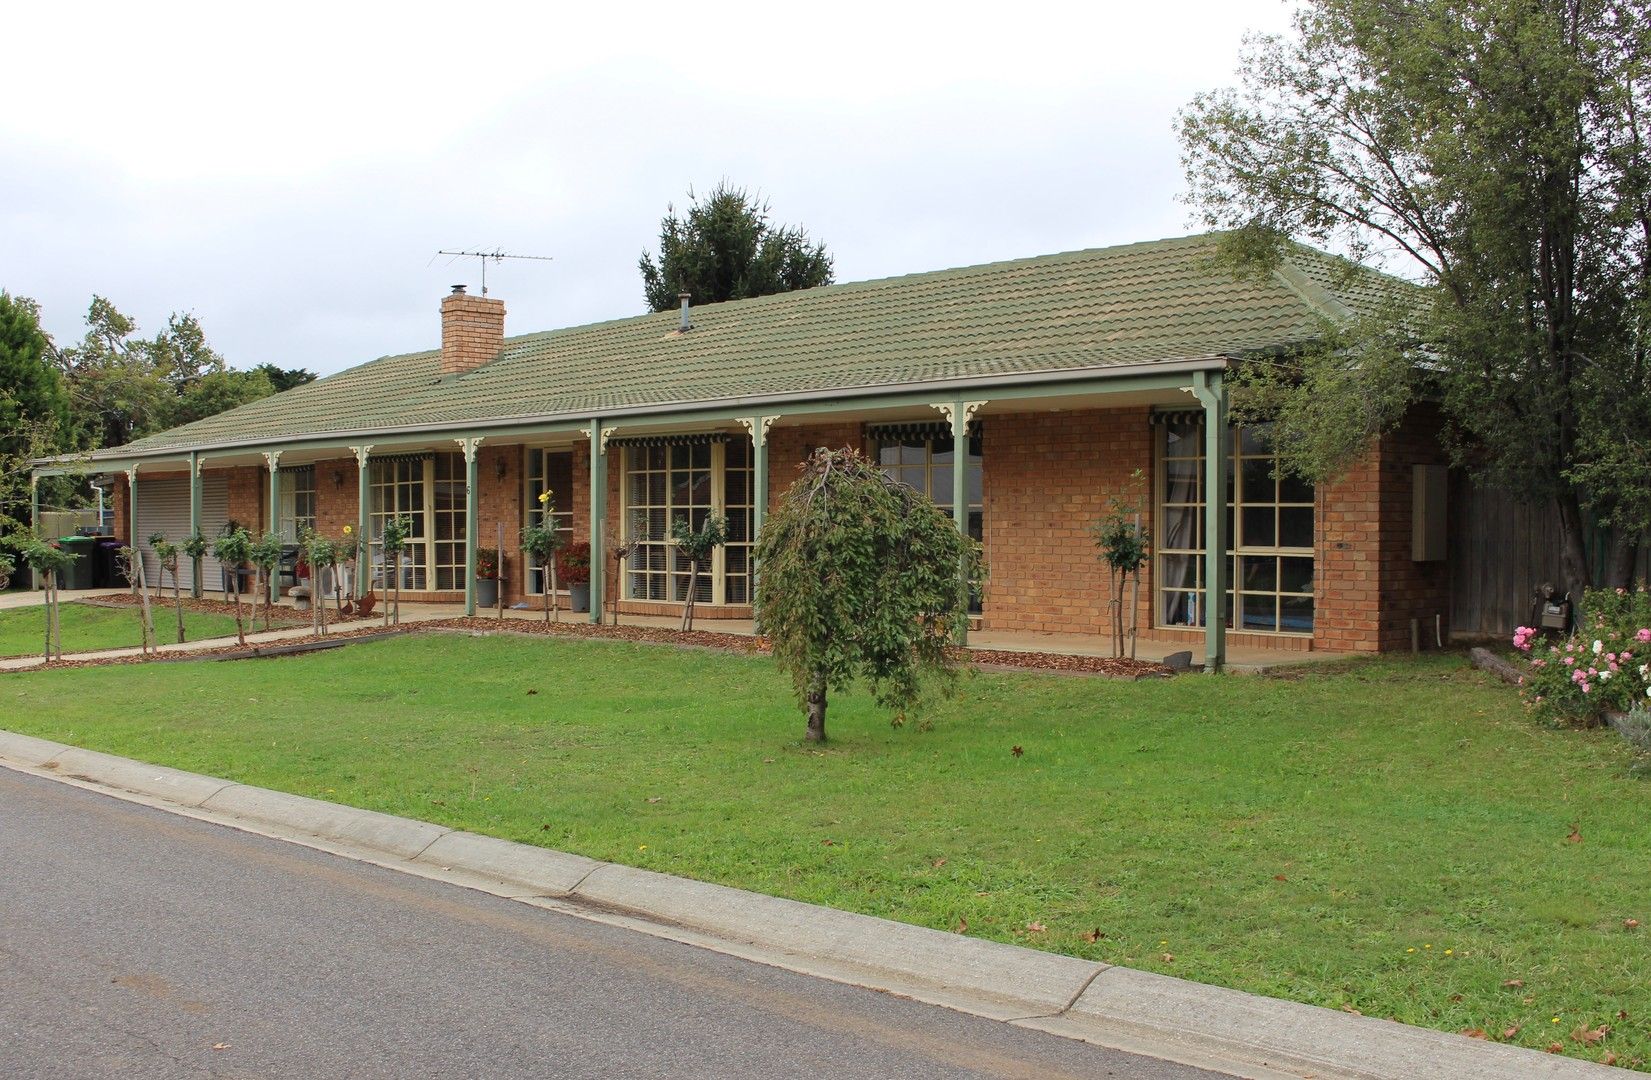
1140, 1012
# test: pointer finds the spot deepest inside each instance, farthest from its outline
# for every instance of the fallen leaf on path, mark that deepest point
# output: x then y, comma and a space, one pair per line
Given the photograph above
653, 798
1475, 1033
1513, 984
1610, 1058
962, 926
220, 1046
1035, 928
1555, 1048
1093, 936
1508, 1033
1280, 877
1589, 1036
1575, 837
938, 863
1350, 1009
1630, 924
1168, 958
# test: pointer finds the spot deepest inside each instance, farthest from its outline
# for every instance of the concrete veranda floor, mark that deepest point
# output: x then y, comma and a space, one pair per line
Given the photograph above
1239, 659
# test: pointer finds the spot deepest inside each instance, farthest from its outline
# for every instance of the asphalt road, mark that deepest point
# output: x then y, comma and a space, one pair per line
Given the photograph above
142, 944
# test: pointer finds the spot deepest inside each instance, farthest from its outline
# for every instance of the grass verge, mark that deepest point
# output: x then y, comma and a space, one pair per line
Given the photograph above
88, 628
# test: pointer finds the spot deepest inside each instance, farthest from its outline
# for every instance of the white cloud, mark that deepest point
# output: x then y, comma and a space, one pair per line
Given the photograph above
287, 173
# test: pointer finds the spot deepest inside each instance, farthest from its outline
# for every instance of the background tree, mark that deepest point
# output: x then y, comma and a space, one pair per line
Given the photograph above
724, 248
124, 386
1496, 149
697, 546
862, 577
283, 378
34, 411
166, 554
233, 549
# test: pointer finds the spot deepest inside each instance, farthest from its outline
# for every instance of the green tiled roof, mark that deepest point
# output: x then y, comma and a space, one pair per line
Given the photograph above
1154, 302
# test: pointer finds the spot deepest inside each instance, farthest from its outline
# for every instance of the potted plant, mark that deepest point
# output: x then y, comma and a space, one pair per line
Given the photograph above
573, 568
487, 577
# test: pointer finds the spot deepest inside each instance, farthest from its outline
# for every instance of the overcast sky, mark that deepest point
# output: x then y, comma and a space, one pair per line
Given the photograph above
286, 173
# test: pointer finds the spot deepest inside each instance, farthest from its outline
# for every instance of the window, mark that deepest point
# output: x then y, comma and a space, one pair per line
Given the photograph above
921, 456
430, 492
547, 470
1269, 521
297, 503
688, 480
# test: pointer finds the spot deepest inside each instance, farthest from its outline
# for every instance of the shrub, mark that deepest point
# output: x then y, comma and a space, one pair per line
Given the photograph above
487, 563
1604, 667
573, 563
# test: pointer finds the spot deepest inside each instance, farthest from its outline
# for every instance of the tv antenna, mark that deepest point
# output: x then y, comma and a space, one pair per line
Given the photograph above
497, 255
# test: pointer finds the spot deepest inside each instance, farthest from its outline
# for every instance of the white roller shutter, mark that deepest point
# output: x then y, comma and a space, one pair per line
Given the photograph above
163, 506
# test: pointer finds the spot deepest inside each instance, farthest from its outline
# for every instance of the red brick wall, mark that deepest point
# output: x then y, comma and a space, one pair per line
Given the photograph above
336, 481
1047, 479
499, 502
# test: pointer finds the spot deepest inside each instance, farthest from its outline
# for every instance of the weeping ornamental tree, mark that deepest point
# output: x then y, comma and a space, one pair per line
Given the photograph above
861, 577
265, 555
1496, 152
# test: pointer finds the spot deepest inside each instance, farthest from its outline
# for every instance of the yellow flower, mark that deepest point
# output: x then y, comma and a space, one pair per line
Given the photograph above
1450, 952
348, 530
1411, 949
1427, 946
642, 847
544, 496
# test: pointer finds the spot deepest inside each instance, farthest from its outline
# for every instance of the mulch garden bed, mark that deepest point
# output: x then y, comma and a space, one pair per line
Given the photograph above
281, 618
986, 659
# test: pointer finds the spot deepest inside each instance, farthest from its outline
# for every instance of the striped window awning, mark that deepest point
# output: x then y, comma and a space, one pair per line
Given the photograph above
917, 429
696, 439
1178, 416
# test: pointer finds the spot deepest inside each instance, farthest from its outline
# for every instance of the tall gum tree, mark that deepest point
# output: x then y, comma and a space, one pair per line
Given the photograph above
1494, 151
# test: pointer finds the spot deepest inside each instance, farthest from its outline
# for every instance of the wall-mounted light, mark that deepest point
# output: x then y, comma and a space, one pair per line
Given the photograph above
500, 468
338, 478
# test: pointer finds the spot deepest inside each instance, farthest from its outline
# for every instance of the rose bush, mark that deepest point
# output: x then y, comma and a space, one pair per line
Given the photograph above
1604, 667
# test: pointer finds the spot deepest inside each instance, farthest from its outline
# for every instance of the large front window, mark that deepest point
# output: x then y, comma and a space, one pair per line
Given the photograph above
429, 492
297, 503
921, 456
688, 480
1269, 523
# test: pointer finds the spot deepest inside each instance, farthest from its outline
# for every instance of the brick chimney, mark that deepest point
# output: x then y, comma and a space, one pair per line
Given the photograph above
472, 331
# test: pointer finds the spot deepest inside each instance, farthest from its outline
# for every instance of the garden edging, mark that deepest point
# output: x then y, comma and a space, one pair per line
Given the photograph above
1141, 1012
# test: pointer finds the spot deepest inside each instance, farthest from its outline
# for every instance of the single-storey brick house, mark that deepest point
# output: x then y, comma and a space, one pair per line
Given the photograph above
1020, 395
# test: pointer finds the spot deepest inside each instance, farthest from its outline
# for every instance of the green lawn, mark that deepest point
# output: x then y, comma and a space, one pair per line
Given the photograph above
1392, 837
87, 629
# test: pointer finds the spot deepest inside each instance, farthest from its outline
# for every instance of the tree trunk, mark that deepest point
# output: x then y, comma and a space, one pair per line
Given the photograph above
816, 709
1573, 551
688, 602
240, 628
47, 611
1619, 570
147, 624
177, 601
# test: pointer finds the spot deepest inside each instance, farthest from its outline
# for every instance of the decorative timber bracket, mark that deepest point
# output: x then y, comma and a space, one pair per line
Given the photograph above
607, 433
958, 424
272, 460
361, 453
470, 446
757, 427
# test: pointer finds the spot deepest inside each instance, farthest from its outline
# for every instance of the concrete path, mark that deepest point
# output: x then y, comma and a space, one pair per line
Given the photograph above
17, 598
1162, 1017
141, 944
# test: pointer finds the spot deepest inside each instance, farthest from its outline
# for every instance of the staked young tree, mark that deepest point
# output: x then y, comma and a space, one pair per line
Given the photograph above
724, 248
1496, 151
861, 577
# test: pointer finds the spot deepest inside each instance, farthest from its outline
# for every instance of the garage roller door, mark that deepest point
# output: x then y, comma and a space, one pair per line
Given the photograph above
163, 506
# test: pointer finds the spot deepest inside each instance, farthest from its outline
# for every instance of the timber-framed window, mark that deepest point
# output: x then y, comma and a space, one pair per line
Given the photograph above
429, 491
297, 512
920, 455
1269, 523
689, 479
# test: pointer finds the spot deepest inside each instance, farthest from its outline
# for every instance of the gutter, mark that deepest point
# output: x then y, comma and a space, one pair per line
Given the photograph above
1112, 371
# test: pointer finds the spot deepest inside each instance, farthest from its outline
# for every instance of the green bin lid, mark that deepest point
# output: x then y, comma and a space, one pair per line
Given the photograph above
74, 539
